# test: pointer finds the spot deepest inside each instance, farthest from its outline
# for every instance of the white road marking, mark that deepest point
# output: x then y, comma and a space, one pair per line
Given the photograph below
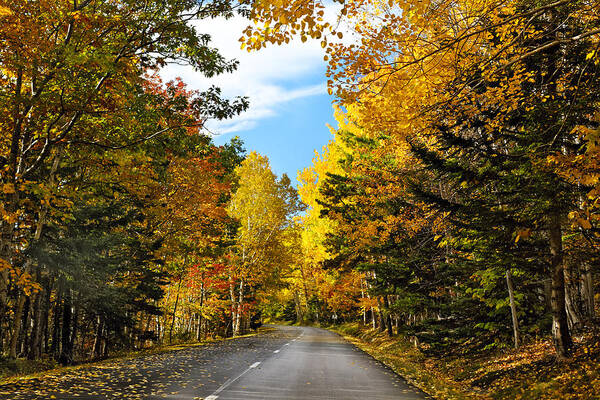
224, 386
276, 351
287, 344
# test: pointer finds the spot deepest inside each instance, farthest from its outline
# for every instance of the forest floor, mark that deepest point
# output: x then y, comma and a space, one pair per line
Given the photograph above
532, 372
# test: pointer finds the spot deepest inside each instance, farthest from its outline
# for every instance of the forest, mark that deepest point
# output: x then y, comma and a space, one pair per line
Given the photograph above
122, 223
458, 205
458, 200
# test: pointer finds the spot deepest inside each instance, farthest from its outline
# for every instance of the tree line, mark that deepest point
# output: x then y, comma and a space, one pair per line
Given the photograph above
458, 200
122, 223
457, 203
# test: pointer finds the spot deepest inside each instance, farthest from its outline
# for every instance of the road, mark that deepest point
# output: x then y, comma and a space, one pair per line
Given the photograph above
285, 363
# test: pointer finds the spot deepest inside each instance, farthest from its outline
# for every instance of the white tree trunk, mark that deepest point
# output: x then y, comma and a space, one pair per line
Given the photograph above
238, 316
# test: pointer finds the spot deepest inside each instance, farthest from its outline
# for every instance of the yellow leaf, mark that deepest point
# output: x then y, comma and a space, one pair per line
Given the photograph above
584, 223
8, 188
523, 233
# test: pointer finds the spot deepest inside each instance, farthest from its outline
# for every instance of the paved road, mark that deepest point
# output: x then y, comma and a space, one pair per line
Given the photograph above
287, 363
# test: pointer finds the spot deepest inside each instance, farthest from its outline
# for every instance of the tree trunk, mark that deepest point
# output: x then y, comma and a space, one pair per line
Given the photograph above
46, 315
17, 322
56, 326
175, 310
35, 348
233, 305
560, 325
6, 264
98, 338
146, 331
588, 292
188, 327
74, 331
105, 344
66, 356
238, 316
24, 339
17, 319
381, 321
548, 294
513, 309
159, 329
388, 316
9, 176
2, 330
364, 309
372, 311
305, 289
200, 322
572, 297
298, 304
381, 316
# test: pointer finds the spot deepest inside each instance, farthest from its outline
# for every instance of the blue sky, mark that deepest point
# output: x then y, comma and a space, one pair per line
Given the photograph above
290, 137
289, 104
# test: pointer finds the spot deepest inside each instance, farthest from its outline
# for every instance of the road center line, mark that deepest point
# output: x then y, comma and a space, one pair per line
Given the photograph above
224, 386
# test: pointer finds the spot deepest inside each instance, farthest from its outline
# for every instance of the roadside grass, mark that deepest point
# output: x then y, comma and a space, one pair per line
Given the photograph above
406, 360
532, 372
274, 321
23, 369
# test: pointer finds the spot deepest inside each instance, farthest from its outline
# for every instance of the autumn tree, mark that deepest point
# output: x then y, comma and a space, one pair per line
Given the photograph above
150, 212
492, 96
263, 206
74, 82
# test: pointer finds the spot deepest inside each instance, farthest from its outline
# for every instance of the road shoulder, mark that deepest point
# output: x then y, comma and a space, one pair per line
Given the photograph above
406, 361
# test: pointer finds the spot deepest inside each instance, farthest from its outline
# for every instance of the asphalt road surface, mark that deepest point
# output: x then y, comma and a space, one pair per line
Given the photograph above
286, 363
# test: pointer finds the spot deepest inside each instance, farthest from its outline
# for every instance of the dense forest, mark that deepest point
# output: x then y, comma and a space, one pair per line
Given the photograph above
457, 204
122, 223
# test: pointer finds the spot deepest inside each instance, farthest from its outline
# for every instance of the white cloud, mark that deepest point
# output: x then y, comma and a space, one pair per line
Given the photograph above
265, 102
269, 77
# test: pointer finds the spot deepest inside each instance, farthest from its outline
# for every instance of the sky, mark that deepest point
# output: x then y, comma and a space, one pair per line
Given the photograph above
289, 105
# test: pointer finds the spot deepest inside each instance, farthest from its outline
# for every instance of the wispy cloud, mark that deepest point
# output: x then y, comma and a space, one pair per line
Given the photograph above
267, 101
271, 78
